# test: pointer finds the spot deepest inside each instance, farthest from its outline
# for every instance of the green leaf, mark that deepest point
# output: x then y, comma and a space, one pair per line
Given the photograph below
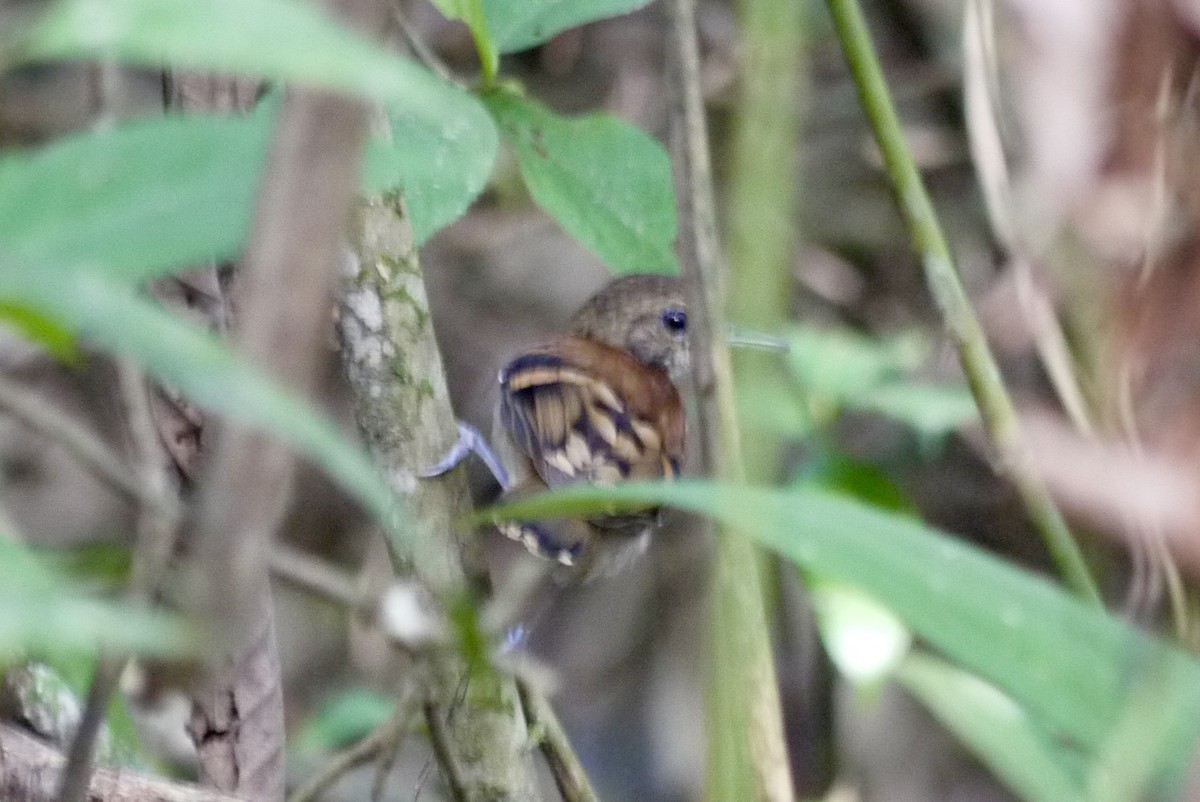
472, 13
1030, 760
154, 196
839, 369
854, 477
342, 719
137, 200
932, 410
439, 155
840, 364
277, 40
607, 183
41, 611
1069, 665
864, 640
521, 24
109, 314
40, 329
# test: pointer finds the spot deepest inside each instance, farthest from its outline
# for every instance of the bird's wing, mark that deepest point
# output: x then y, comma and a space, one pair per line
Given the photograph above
584, 411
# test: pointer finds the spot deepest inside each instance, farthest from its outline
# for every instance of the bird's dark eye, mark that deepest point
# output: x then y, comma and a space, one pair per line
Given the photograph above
675, 320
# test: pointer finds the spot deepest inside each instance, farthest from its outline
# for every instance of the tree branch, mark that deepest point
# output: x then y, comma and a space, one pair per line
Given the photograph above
473, 711
30, 769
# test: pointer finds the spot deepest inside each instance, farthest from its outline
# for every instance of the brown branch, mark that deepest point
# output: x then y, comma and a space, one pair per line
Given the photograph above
568, 771
29, 771
283, 312
473, 713
368, 748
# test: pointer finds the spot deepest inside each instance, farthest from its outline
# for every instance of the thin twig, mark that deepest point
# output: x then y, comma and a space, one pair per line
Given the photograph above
316, 576
568, 771
29, 768
364, 751
420, 47
979, 365
42, 417
157, 526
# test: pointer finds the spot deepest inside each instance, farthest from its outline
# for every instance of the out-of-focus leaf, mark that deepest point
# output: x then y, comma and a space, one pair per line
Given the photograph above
41, 612
1030, 760
103, 565
343, 719
838, 370
472, 13
277, 40
520, 24
932, 410
109, 314
137, 200
841, 364
1069, 665
40, 329
861, 480
158, 195
864, 640
607, 183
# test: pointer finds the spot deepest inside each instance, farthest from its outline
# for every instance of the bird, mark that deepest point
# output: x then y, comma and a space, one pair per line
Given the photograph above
598, 403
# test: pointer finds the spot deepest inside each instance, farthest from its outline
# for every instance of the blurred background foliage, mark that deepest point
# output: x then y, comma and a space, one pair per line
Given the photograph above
921, 648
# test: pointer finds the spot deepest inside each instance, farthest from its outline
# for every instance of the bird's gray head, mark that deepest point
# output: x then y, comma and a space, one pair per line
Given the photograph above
644, 314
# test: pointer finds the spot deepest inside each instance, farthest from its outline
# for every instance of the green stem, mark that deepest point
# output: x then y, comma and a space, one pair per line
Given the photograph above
979, 365
747, 756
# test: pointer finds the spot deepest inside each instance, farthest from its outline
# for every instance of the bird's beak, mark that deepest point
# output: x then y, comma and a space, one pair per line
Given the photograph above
741, 337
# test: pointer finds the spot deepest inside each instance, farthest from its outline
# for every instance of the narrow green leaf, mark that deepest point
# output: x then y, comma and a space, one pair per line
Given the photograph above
1068, 664
521, 24
1030, 760
158, 195
277, 40
109, 314
607, 183
40, 329
472, 13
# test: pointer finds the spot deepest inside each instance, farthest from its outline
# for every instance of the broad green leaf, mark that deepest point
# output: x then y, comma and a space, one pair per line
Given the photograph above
472, 13
607, 183
42, 612
138, 200
157, 195
278, 40
520, 24
1069, 665
440, 156
1030, 760
110, 314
